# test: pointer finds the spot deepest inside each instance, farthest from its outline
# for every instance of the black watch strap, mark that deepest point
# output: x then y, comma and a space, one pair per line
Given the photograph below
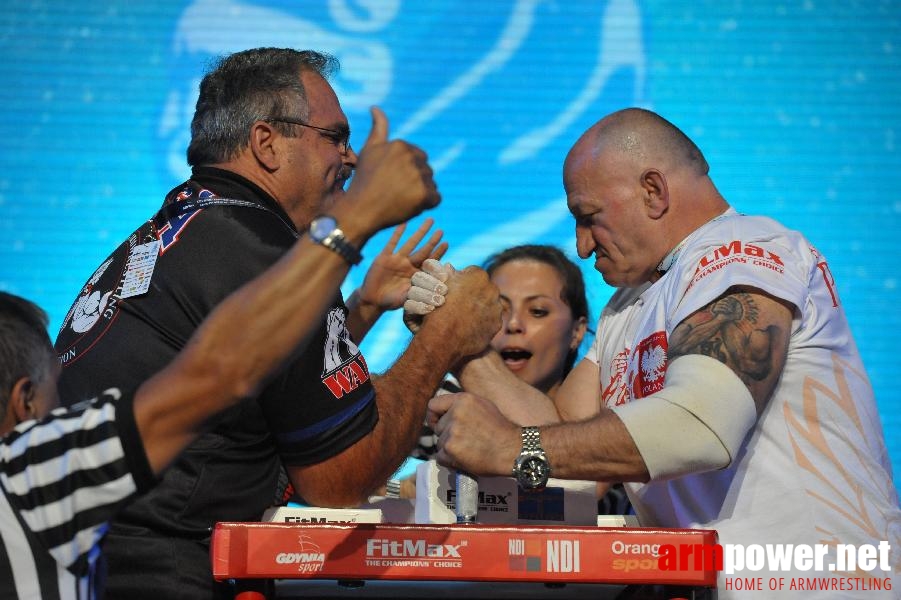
337, 242
324, 230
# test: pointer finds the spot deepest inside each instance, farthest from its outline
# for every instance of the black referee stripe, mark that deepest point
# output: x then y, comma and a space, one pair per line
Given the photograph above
66, 486
51, 449
48, 577
65, 532
6, 570
45, 565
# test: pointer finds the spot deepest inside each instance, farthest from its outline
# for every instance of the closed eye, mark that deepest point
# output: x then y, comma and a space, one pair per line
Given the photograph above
335, 138
586, 220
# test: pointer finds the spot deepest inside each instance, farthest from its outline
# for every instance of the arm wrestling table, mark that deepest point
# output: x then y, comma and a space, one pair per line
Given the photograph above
454, 561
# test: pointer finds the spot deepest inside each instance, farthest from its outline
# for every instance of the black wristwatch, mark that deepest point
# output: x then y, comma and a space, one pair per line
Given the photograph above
531, 468
324, 230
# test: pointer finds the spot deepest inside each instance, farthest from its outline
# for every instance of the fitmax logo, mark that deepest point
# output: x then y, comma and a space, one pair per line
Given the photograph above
735, 248
381, 548
317, 520
486, 499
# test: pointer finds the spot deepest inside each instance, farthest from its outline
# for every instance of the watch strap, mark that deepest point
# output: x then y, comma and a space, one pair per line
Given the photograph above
392, 488
531, 439
335, 241
531, 452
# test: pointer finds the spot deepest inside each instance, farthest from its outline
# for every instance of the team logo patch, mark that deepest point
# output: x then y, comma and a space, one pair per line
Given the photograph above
185, 193
90, 303
97, 306
650, 368
343, 368
168, 233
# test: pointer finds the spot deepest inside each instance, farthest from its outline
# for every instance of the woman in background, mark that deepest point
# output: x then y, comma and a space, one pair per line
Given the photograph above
545, 318
544, 321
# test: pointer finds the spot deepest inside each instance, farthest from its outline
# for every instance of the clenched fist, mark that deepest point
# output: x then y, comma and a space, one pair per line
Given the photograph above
472, 307
393, 181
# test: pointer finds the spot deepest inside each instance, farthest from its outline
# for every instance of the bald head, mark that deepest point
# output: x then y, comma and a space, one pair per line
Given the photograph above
636, 186
645, 138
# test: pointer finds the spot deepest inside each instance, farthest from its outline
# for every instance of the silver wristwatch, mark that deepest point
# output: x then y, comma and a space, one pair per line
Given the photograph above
531, 468
324, 230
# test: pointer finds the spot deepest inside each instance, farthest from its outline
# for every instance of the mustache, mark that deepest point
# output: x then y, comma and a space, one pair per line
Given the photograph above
345, 173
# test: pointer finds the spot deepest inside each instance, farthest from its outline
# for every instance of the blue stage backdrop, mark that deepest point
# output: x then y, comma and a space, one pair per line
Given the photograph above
797, 105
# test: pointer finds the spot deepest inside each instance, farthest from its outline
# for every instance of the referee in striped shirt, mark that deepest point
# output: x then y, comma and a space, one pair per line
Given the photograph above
64, 473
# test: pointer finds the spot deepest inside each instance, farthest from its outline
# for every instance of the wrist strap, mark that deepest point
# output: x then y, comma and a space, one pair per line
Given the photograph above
531, 439
392, 489
336, 242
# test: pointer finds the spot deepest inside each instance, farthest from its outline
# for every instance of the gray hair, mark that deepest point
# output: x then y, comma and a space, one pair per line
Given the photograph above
243, 88
25, 347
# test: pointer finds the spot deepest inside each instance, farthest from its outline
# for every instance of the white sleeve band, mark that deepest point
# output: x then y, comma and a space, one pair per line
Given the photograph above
696, 423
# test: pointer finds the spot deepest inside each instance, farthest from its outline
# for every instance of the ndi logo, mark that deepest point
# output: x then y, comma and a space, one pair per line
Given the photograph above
564, 556
524, 554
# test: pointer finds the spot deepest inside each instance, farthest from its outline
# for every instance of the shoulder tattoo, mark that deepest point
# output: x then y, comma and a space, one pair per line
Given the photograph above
734, 330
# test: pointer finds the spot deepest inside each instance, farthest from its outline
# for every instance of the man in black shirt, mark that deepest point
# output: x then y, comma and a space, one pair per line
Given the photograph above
89, 462
270, 154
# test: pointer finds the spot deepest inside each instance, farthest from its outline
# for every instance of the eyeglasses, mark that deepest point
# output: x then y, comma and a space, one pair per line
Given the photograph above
340, 138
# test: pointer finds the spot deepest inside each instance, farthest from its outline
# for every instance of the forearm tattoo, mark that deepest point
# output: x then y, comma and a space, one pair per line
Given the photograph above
730, 329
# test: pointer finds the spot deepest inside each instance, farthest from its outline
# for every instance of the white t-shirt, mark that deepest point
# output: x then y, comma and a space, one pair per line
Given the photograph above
814, 469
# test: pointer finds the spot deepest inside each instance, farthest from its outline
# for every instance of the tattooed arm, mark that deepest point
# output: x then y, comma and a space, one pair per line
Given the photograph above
745, 329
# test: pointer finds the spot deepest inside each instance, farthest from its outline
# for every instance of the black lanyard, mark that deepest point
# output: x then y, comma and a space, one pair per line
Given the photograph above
182, 207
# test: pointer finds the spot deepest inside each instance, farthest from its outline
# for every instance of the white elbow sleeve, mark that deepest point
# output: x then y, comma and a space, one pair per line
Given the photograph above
696, 423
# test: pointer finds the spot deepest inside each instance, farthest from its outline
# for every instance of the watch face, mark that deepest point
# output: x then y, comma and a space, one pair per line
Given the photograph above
320, 227
533, 472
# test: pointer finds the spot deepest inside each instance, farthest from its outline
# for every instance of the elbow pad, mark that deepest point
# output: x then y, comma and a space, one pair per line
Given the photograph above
696, 423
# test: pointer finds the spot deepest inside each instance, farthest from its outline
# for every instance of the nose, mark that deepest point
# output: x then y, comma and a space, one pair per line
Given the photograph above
512, 322
585, 243
350, 157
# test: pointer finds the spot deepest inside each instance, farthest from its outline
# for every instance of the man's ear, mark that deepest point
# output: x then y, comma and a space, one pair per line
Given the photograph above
263, 144
654, 184
21, 403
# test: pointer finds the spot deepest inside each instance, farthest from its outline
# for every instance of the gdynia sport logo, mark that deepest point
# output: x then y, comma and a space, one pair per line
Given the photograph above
842, 567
